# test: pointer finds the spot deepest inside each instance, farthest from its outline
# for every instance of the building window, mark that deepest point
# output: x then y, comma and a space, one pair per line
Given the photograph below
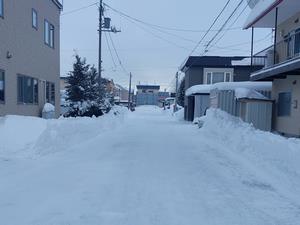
50, 93
34, 17
49, 34
2, 87
1, 8
217, 77
27, 90
284, 104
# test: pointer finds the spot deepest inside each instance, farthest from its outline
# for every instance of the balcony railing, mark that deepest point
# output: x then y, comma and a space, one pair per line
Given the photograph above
285, 50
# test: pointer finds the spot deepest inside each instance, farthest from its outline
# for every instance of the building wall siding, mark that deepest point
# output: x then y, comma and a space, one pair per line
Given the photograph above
30, 56
289, 125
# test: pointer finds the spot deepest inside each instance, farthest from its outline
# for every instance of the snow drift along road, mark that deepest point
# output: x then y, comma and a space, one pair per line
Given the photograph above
148, 169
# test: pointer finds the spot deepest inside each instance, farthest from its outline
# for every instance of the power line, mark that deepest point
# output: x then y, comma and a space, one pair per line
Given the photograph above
232, 24
108, 45
156, 35
159, 26
117, 54
224, 25
79, 9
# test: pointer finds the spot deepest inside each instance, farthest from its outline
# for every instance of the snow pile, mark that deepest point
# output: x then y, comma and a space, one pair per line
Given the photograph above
29, 135
48, 108
248, 93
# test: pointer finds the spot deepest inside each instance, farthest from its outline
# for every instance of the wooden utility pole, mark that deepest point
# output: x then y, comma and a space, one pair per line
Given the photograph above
129, 91
176, 93
100, 40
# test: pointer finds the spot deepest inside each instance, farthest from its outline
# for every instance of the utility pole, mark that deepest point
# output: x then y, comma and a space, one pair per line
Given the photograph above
176, 95
100, 40
129, 92
104, 26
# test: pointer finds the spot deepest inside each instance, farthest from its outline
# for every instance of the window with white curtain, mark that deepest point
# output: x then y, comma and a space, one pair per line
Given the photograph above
218, 77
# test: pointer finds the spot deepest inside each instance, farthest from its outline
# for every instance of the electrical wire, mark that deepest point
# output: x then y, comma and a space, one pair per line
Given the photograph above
159, 26
156, 35
224, 24
108, 45
117, 54
225, 31
79, 9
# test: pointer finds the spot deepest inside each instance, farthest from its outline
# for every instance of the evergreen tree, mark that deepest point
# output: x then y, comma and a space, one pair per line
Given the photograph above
85, 96
181, 93
77, 80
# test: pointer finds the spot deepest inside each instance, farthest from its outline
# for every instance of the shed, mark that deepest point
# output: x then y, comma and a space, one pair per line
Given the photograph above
251, 101
200, 95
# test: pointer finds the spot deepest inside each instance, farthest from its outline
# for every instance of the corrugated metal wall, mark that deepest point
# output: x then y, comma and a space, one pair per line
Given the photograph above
146, 99
202, 103
256, 112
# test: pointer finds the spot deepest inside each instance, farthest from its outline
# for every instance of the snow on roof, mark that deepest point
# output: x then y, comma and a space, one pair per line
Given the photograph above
243, 62
199, 89
258, 86
248, 93
206, 88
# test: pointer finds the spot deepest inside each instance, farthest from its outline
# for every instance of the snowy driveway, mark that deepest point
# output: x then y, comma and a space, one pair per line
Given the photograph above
150, 170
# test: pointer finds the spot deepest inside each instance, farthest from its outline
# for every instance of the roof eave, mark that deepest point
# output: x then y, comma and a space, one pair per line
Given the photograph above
263, 14
58, 4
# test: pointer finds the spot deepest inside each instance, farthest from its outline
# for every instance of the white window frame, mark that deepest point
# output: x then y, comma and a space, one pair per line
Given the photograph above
34, 18
49, 33
211, 74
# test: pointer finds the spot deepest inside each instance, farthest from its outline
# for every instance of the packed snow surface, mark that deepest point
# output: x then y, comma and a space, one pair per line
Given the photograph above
146, 168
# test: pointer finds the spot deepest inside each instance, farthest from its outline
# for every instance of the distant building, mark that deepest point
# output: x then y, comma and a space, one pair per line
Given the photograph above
147, 95
29, 56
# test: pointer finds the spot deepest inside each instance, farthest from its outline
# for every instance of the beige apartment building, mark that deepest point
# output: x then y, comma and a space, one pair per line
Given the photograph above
282, 59
29, 56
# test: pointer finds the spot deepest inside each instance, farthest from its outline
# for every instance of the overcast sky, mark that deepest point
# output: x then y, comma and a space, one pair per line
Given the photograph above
152, 55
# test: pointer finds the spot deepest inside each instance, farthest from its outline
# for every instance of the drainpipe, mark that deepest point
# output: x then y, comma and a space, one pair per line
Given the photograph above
275, 38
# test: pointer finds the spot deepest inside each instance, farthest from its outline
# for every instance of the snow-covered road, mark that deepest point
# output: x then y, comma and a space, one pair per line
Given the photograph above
149, 170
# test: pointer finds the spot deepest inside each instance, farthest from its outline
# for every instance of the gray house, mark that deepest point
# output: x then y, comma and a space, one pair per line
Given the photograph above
283, 59
214, 69
29, 56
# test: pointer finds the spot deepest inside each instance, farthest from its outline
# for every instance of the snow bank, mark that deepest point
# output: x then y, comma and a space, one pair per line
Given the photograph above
29, 135
260, 151
19, 133
199, 89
